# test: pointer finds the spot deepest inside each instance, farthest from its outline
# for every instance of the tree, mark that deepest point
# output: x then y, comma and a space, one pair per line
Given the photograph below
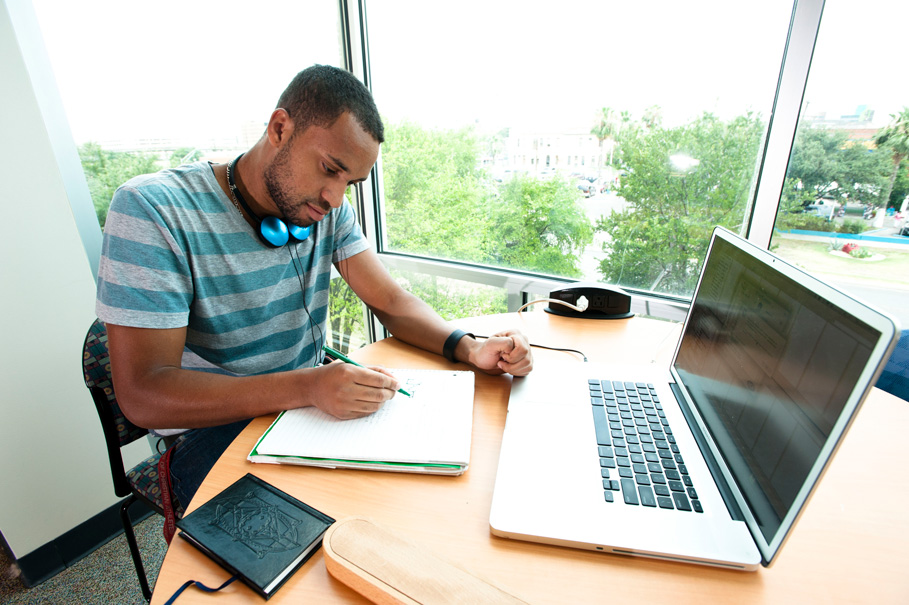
540, 225
106, 170
435, 195
606, 128
679, 184
184, 155
895, 137
345, 318
826, 164
451, 298
900, 186
438, 202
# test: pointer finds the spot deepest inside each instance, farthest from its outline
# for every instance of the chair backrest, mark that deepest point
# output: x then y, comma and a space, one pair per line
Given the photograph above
895, 376
118, 431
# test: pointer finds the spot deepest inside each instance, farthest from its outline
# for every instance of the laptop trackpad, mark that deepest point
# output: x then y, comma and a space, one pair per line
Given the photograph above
550, 447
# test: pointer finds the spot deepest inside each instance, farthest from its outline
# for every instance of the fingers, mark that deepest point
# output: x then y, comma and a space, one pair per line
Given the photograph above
353, 391
519, 361
512, 351
395, 384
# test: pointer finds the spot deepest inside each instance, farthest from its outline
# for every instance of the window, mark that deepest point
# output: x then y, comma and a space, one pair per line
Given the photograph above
526, 145
670, 104
844, 200
148, 86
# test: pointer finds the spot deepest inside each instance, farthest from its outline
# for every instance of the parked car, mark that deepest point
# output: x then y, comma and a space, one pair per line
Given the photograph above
587, 188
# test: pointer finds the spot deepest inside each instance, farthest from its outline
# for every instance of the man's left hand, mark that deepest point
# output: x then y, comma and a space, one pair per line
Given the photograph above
503, 352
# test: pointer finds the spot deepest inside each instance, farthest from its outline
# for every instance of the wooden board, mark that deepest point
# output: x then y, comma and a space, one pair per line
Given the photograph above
387, 569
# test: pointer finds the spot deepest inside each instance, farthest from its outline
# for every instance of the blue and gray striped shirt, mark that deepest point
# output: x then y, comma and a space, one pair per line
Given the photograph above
176, 253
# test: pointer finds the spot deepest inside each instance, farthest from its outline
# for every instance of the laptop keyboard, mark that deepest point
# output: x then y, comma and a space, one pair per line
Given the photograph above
640, 461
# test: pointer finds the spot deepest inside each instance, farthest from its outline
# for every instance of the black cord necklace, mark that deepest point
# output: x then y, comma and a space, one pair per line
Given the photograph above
235, 191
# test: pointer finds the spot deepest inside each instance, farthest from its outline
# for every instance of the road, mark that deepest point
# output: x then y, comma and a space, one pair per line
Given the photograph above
596, 207
894, 302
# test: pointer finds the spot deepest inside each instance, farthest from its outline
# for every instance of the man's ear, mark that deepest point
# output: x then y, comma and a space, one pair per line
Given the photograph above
280, 127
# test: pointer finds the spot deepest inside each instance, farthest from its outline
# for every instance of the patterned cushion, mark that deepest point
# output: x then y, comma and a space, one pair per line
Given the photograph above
144, 479
96, 364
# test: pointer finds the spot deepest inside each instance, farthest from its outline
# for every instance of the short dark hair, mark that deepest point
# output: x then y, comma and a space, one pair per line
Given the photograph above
318, 96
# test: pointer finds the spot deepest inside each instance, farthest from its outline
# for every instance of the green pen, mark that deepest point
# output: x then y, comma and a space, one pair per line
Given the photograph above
346, 359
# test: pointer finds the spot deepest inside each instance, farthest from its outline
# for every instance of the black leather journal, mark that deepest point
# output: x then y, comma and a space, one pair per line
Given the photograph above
256, 531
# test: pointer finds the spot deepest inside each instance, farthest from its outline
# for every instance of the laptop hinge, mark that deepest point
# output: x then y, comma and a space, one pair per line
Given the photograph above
731, 505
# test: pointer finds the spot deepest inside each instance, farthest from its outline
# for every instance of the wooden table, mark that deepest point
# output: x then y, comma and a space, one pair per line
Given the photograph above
851, 544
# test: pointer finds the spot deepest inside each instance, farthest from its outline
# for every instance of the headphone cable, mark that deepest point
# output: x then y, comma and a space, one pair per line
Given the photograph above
559, 349
312, 324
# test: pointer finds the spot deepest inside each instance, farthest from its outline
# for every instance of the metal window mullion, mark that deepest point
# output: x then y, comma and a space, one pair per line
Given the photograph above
787, 105
356, 60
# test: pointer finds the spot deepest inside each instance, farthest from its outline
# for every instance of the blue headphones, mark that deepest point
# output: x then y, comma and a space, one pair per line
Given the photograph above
272, 231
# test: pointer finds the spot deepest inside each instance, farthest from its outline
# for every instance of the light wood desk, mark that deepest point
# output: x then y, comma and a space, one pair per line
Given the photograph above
851, 545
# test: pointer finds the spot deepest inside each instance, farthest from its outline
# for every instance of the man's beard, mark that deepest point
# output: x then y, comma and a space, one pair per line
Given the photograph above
276, 175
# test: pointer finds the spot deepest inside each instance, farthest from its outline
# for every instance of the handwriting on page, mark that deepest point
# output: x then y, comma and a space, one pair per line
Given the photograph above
433, 425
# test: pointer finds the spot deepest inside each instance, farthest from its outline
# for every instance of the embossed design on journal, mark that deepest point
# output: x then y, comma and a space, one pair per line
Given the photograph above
258, 525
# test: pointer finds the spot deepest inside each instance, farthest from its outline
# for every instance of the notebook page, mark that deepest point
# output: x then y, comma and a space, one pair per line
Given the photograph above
432, 426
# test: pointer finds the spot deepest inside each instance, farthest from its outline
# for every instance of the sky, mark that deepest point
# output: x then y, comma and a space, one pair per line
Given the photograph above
202, 67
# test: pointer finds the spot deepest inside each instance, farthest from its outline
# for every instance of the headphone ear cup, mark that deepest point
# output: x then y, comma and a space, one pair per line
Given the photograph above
299, 233
274, 231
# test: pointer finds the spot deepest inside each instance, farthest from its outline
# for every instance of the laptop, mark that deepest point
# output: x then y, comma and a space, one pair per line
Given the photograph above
712, 459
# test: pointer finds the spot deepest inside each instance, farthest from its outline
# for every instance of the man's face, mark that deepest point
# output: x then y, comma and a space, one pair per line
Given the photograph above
311, 171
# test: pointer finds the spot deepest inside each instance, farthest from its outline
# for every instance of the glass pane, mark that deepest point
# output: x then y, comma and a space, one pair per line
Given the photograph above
453, 298
147, 86
592, 140
844, 204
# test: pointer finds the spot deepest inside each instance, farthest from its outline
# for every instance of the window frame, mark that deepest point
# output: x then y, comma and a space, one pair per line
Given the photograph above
520, 286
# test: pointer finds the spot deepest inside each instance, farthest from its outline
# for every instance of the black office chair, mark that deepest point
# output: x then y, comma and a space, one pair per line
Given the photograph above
140, 482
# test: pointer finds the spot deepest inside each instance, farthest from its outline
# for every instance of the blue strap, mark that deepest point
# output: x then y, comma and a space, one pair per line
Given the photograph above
199, 585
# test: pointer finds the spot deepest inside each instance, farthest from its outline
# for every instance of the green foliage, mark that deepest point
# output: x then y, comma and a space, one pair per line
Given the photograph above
184, 155
827, 165
795, 197
435, 198
106, 170
439, 203
852, 226
659, 240
805, 222
453, 299
540, 225
900, 186
345, 320
894, 138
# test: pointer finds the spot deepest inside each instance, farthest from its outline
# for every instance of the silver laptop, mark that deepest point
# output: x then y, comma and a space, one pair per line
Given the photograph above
712, 459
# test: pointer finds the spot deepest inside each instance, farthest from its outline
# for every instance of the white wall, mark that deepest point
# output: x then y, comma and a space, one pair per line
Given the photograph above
53, 465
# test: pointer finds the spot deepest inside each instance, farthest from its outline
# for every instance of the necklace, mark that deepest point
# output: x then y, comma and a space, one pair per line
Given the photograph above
231, 186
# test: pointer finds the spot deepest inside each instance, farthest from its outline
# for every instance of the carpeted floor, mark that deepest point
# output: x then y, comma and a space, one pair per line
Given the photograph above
104, 577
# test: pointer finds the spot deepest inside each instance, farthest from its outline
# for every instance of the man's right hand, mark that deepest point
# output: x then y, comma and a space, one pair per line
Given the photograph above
347, 391
155, 392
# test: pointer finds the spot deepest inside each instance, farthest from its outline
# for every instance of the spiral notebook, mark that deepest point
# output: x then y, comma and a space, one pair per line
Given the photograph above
428, 432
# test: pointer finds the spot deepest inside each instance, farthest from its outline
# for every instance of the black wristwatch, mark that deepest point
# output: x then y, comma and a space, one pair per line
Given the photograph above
451, 343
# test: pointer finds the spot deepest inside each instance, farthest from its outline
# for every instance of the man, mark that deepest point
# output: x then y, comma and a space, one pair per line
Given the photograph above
206, 321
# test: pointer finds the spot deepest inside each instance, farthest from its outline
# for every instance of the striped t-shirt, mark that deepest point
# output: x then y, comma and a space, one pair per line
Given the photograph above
176, 253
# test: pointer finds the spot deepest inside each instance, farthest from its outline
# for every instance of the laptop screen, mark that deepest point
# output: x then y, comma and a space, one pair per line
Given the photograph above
770, 365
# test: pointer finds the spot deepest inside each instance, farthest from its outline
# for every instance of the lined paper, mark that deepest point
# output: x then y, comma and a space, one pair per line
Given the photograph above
431, 427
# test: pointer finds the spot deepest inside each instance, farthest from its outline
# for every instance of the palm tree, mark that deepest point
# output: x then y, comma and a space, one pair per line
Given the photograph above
895, 136
606, 127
